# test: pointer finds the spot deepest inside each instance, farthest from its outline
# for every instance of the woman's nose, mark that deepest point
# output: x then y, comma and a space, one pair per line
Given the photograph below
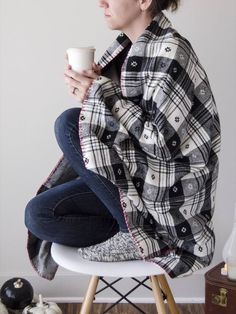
102, 3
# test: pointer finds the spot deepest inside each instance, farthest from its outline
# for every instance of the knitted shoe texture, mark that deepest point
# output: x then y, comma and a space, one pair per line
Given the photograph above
118, 248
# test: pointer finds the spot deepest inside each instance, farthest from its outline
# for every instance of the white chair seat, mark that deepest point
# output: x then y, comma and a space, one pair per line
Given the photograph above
69, 258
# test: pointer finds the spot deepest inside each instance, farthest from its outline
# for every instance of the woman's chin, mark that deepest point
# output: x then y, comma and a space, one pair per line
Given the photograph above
111, 25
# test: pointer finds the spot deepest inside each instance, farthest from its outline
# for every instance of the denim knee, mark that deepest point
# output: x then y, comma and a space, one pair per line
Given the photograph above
65, 120
32, 215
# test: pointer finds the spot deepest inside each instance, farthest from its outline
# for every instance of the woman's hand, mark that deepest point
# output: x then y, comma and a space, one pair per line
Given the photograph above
79, 83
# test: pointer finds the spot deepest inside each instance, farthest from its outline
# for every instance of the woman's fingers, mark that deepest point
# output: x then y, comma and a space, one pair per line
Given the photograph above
97, 68
71, 82
79, 83
78, 93
71, 77
75, 76
70, 73
86, 74
72, 90
79, 80
90, 74
67, 67
76, 89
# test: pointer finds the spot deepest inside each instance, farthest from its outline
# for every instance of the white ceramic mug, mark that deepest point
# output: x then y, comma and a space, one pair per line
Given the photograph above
81, 58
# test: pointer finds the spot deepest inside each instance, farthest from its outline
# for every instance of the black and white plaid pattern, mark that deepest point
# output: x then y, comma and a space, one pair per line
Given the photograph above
156, 135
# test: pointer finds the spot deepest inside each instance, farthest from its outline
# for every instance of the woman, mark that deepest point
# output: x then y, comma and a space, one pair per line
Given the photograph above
140, 159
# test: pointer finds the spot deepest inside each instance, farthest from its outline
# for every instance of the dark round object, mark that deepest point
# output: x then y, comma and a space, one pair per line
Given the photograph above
16, 293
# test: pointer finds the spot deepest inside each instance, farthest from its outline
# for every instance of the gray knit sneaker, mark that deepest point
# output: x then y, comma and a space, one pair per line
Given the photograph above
118, 248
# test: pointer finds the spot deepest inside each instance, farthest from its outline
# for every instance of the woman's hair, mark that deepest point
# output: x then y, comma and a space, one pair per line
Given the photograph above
160, 5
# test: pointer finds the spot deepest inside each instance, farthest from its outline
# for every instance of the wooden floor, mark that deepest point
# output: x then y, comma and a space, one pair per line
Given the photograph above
128, 309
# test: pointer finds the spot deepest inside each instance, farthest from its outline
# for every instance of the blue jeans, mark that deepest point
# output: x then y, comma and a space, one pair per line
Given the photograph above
81, 212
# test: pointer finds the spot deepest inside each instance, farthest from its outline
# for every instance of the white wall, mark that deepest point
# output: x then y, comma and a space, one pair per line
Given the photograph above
34, 37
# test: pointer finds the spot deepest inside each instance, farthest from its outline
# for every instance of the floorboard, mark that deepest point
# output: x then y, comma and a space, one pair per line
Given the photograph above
123, 308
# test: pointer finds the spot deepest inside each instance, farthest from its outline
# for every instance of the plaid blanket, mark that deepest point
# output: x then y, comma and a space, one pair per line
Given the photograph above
156, 135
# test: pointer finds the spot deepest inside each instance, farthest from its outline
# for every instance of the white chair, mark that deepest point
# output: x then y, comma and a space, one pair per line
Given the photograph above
69, 258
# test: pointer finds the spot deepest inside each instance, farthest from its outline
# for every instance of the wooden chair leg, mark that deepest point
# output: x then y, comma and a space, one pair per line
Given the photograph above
158, 295
89, 297
169, 296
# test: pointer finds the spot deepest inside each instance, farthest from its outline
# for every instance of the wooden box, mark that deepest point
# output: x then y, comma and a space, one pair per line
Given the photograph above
220, 292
